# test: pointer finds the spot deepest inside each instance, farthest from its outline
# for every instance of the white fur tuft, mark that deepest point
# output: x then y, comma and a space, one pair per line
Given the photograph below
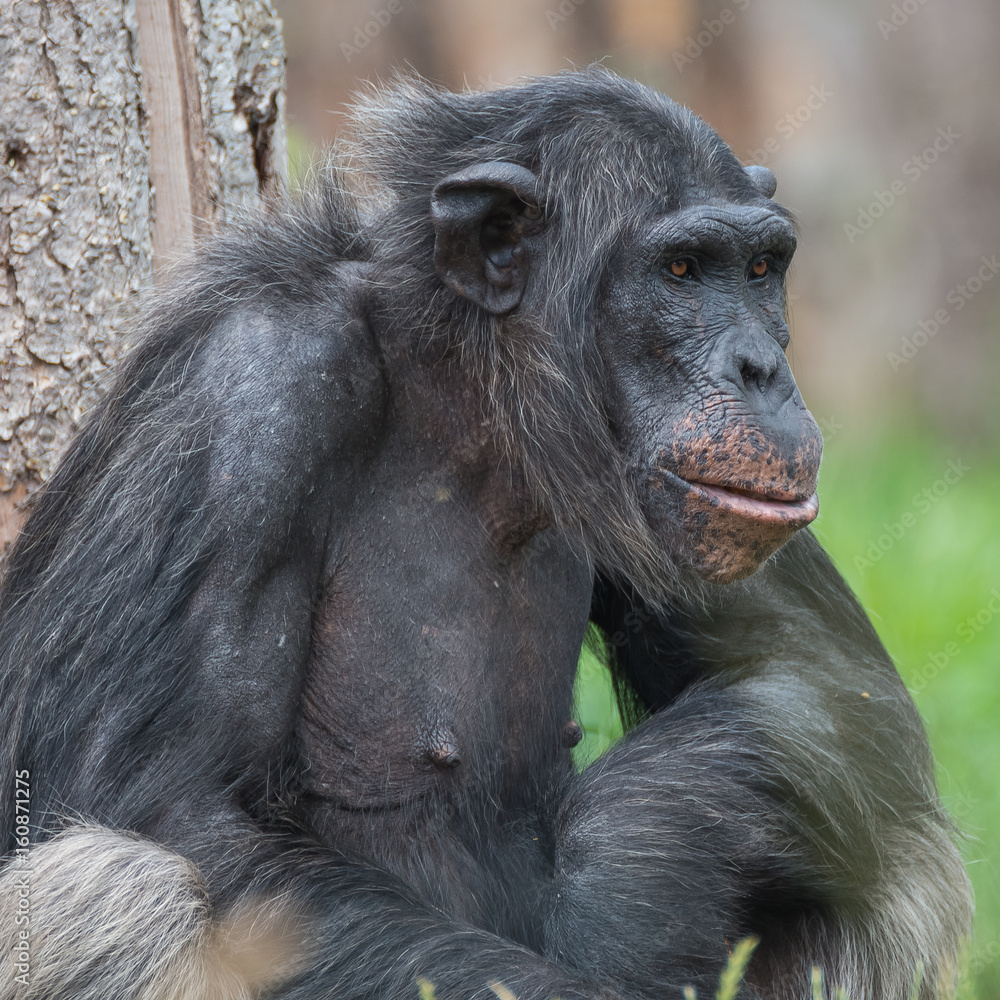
112, 916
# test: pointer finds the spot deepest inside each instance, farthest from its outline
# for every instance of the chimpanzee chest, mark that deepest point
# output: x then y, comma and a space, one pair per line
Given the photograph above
442, 664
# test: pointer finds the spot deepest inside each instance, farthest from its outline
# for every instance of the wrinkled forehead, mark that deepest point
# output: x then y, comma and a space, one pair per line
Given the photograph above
726, 229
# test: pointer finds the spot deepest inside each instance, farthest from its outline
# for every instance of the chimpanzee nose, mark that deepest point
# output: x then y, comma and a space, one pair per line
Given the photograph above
753, 362
756, 373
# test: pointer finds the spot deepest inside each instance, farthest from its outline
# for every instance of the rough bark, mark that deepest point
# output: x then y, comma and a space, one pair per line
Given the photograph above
126, 129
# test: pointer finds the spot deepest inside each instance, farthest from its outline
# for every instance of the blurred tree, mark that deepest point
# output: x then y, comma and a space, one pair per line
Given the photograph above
125, 130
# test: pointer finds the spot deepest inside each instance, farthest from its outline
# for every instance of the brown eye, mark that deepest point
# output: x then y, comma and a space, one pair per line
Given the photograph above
759, 268
679, 268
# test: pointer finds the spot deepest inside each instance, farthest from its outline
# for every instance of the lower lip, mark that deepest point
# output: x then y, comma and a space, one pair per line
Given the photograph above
788, 513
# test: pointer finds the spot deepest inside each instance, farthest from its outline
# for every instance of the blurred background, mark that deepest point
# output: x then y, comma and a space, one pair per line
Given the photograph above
881, 121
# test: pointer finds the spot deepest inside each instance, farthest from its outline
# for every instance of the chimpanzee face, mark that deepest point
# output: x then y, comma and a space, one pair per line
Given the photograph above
724, 453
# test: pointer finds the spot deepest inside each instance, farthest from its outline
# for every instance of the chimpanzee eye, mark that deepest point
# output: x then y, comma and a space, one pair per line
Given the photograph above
681, 267
759, 268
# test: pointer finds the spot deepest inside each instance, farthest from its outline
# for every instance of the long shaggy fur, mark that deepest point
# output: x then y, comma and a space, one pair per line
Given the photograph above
731, 808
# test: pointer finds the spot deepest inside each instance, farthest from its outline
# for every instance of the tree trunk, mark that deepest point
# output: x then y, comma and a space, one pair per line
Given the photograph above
126, 130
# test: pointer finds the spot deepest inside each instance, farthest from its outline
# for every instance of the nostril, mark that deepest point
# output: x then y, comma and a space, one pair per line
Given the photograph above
756, 377
752, 376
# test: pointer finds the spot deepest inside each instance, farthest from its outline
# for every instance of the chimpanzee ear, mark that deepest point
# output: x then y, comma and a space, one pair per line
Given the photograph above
487, 219
763, 179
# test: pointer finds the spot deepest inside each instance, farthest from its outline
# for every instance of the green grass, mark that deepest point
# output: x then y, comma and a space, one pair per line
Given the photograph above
596, 710
934, 596
926, 566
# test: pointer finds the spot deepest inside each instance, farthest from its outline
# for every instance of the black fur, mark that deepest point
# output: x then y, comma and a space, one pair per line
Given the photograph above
303, 603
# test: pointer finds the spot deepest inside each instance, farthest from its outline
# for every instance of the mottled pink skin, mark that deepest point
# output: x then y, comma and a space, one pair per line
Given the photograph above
736, 496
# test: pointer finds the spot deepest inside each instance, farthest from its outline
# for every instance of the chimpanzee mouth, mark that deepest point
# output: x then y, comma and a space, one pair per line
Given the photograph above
776, 507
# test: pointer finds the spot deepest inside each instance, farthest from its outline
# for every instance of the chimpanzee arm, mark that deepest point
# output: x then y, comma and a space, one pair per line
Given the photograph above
350, 929
212, 907
782, 787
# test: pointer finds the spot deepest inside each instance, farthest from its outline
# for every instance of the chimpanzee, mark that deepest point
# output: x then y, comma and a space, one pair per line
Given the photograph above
289, 640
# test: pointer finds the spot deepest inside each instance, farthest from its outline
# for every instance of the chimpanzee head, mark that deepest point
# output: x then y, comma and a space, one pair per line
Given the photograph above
608, 252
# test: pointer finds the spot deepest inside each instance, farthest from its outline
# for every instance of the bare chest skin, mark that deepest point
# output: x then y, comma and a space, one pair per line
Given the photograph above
444, 653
